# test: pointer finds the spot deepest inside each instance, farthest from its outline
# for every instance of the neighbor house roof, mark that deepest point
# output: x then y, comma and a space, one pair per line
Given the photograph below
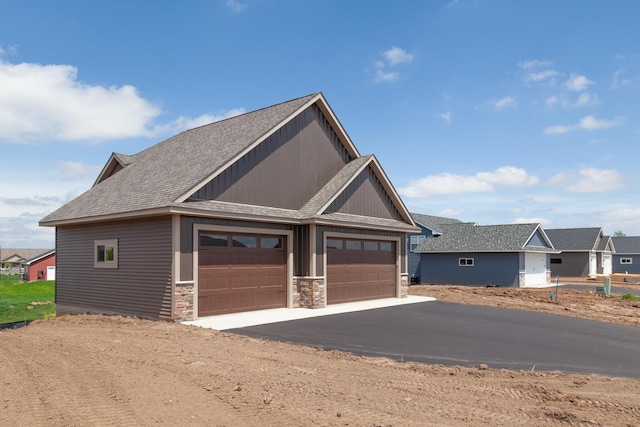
433, 223
467, 237
627, 244
20, 255
575, 239
160, 179
39, 257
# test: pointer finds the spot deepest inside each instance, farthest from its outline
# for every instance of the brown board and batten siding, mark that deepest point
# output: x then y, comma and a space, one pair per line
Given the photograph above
365, 195
286, 170
140, 286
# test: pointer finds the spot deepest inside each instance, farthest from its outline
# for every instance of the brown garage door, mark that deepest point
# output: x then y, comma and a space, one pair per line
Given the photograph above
359, 270
241, 272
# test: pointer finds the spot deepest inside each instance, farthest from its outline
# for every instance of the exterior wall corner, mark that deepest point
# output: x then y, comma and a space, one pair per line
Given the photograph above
183, 297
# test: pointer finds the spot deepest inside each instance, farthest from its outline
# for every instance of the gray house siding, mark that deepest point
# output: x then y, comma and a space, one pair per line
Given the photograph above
140, 286
500, 269
537, 240
633, 268
414, 258
186, 238
572, 264
284, 171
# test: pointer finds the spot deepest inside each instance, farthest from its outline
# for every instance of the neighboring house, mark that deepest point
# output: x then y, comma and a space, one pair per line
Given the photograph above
14, 259
41, 267
499, 255
429, 226
272, 208
626, 258
585, 252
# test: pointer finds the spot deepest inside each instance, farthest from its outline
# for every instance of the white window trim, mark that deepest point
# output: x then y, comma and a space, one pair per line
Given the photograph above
106, 243
466, 262
415, 238
626, 261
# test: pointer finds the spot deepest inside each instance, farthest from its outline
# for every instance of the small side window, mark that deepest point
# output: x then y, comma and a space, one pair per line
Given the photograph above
417, 241
465, 262
105, 253
626, 260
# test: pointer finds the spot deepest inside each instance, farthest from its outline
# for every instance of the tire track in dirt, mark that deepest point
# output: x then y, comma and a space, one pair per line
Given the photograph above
58, 380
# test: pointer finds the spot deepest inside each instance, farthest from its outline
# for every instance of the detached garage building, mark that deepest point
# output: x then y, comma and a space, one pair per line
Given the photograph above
273, 208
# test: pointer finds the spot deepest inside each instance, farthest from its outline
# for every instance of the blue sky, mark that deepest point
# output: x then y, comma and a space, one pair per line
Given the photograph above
497, 112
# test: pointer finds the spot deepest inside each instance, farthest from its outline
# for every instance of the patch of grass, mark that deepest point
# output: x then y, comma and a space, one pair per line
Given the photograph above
629, 296
26, 301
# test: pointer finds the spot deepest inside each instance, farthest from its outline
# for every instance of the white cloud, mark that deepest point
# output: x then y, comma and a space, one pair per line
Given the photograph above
183, 123
540, 76
619, 81
538, 71
446, 117
395, 56
586, 99
535, 220
591, 123
385, 76
527, 65
450, 213
482, 182
235, 6
508, 175
391, 58
46, 102
591, 180
588, 123
72, 171
577, 83
506, 102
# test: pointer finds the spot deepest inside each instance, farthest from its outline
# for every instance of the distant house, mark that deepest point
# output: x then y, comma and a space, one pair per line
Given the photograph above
585, 252
626, 258
429, 226
41, 267
272, 208
500, 255
12, 261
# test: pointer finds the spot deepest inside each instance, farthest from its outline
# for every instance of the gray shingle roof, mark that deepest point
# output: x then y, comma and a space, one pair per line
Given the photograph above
574, 239
24, 254
432, 222
466, 237
627, 245
159, 175
162, 176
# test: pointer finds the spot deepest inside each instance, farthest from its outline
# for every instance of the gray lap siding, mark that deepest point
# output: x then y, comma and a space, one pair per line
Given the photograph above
500, 269
140, 286
572, 264
633, 268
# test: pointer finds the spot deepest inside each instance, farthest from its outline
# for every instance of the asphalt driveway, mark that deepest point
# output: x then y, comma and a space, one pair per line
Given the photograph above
466, 335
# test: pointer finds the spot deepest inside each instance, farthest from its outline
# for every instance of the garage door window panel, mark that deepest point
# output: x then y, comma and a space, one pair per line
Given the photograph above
247, 273
215, 240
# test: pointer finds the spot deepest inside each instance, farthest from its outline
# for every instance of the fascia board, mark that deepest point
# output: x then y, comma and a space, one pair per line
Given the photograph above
325, 221
106, 167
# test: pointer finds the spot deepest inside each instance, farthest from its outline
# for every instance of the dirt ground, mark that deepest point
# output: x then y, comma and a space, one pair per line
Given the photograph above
115, 371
